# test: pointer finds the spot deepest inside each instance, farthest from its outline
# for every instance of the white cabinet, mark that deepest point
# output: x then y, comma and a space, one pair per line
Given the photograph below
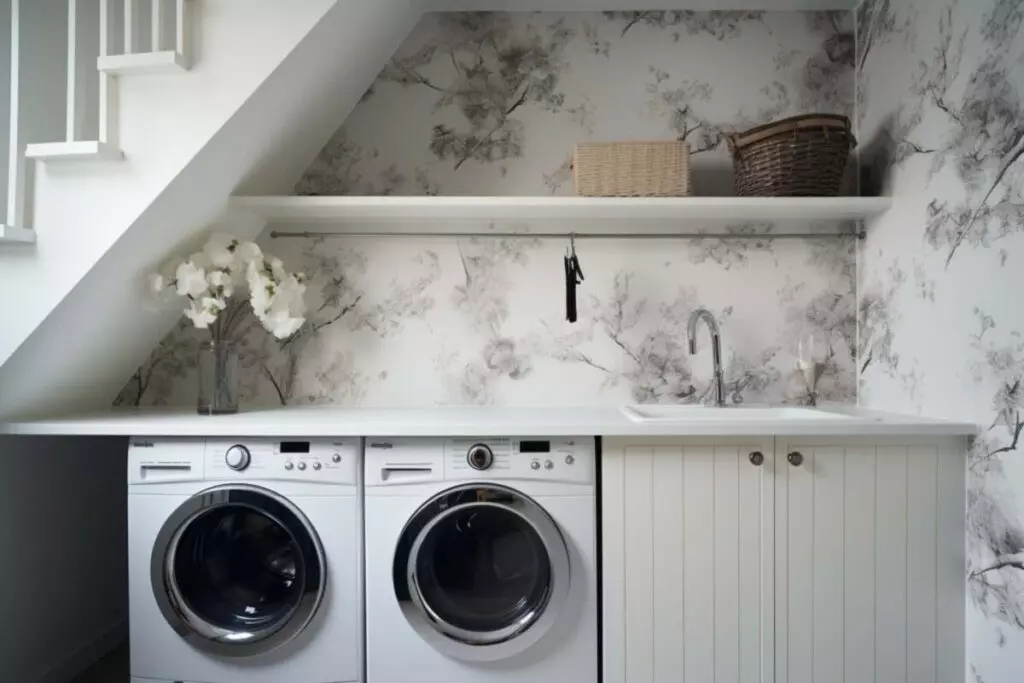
688, 560
870, 560
834, 560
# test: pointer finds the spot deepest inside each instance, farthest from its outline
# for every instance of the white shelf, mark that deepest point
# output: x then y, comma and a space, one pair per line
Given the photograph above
84, 150
342, 211
13, 235
142, 63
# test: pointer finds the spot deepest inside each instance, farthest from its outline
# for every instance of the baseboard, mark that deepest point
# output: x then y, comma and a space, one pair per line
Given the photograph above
86, 655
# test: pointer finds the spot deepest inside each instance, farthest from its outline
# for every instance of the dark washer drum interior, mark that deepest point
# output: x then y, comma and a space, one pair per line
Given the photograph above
238, 569
483, 568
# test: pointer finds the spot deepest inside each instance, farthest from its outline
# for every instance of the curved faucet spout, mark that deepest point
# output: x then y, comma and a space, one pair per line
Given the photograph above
716, 347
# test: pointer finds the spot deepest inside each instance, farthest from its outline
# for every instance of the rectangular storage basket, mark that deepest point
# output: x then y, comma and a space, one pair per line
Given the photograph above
632, 169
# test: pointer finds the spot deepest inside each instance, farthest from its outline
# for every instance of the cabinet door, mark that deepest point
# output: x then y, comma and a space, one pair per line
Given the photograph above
870, 561
688, 560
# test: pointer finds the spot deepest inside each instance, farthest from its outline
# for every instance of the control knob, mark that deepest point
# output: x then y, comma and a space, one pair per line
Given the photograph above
480, 456
237, 457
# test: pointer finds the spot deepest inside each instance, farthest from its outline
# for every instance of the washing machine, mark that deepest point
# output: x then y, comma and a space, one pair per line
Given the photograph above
481, 560
245, 560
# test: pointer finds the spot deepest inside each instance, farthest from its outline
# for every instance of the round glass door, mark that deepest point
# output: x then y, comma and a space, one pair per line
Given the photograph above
238, 570
481, 568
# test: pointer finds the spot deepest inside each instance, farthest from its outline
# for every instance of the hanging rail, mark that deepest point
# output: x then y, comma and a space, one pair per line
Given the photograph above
309, 234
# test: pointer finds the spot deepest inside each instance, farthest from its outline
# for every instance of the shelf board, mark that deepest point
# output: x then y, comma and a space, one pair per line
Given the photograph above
141, 63
82, 150
346, 210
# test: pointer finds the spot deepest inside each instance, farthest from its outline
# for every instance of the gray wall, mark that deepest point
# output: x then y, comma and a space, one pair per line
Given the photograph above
63, 545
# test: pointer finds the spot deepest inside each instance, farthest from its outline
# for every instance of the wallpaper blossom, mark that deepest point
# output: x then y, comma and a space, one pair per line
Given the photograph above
941, 108
491, 104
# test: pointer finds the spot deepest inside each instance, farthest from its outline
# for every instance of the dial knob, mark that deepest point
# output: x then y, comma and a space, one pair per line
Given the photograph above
480, 457
302, 465
237, 457
548, 465
317, 465
534, 465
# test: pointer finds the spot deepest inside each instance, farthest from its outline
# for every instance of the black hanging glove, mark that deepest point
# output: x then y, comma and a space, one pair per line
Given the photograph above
573, 277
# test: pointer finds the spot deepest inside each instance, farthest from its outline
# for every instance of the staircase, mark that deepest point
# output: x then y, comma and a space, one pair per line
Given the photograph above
127, 143
104, 41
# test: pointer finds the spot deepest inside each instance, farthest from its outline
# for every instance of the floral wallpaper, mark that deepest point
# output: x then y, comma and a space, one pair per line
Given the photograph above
941, 113
491, 104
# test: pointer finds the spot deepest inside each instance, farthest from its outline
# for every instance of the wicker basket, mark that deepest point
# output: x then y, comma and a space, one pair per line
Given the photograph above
803, 156
632, 169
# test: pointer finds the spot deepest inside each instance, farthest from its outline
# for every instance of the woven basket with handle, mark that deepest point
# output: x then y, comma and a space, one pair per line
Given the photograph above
632, 169
802, 156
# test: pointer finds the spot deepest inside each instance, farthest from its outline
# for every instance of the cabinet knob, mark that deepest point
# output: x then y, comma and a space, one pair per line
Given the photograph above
796, 458
757, 458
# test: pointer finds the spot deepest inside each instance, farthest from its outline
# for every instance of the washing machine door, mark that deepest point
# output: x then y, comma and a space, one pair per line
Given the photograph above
482, 572
237, 570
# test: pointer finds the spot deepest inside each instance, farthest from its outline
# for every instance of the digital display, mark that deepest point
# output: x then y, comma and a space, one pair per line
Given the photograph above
534, 446
295, 447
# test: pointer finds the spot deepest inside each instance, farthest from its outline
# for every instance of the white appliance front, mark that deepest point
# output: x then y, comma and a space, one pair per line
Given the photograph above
470, 570
330, 647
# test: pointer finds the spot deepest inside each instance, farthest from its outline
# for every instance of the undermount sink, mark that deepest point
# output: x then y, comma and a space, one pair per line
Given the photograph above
682, 413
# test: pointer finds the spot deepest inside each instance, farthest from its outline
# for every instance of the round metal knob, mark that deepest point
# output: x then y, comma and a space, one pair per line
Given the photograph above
317, 465
289, 465
757, 458
336, 457
569, 459
302, 465
237, 457
548, 465
534, 465
796, 458
480, 456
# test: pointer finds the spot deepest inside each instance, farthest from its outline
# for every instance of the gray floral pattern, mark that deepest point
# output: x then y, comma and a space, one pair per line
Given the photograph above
491, 103
479, 103
941, 106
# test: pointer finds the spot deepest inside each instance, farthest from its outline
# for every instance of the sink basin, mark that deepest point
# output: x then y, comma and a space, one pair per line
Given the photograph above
682, 413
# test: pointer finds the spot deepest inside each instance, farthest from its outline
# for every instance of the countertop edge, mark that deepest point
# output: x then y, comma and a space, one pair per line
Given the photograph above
442, 422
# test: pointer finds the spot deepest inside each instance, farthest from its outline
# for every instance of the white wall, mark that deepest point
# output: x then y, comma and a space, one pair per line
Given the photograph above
5, 101
63, 544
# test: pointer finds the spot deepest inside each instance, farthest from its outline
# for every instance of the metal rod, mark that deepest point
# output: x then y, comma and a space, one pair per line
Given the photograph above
307, 234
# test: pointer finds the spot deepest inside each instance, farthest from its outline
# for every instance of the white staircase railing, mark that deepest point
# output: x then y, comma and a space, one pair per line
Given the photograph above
66, 57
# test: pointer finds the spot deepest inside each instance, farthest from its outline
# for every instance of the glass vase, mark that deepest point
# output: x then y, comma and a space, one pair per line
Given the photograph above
218, 378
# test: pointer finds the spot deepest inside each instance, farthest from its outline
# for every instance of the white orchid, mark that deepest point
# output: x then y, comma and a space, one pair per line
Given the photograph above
220, 249
191, 280
248, 252
221, 283
156, 283
211, 278
203, 313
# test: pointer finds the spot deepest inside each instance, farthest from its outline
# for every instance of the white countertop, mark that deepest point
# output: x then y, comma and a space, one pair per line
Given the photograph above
471, 421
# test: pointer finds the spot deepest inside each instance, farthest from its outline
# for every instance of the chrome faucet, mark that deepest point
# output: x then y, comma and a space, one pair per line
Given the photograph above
716, 347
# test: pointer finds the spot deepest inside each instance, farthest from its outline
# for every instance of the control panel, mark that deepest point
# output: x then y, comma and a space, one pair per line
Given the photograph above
566, 459
319, 460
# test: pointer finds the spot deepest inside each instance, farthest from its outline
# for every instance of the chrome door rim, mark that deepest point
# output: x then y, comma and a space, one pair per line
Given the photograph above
527, 629
193, 628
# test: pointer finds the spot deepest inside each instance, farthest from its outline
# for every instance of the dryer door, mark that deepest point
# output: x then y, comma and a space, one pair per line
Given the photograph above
238, 570
482, 572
